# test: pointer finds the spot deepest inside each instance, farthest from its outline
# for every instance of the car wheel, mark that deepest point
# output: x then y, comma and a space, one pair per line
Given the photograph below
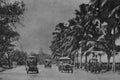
59, 70
71, 71
37, 71
68, 71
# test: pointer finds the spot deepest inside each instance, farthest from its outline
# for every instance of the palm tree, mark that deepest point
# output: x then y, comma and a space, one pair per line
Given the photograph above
107, 11
87, 29
57, 39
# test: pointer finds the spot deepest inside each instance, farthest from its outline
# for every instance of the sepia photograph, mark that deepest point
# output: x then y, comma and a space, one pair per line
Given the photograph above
59, 39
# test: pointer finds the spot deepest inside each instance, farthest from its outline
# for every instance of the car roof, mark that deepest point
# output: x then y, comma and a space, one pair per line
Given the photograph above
64, 58
66, 64
31, 57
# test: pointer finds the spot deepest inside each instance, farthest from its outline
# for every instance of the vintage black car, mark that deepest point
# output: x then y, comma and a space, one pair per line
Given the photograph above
48, 63
65, 65
31, 64
66, 68
94, 65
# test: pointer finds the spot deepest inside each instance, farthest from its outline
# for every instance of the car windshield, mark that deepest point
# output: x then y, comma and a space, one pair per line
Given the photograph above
31, 60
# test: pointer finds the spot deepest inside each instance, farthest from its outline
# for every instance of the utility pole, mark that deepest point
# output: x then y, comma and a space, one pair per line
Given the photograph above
77, 59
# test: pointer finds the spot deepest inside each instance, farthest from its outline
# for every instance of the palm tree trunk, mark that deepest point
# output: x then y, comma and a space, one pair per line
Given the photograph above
9, 62
0, 60
85, 61
100, 58
77, 60
81, 61
0, 64
108, 64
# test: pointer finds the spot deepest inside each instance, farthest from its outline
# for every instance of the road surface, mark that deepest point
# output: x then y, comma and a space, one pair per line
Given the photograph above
19, 73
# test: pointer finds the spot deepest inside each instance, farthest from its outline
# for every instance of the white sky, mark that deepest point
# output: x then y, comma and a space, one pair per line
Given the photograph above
40, 20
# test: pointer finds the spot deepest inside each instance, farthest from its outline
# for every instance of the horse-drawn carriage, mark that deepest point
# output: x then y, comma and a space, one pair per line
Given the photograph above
31, 64
65, 65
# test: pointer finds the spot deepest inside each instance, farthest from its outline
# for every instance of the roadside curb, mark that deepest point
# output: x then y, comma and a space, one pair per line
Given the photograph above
2, 69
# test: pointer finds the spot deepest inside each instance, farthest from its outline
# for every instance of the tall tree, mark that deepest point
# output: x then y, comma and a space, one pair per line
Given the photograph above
11, 14
95, 27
